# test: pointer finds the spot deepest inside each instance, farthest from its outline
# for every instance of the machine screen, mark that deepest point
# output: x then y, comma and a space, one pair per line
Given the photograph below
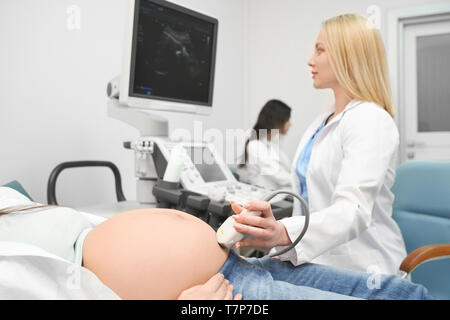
173, 55
205, 163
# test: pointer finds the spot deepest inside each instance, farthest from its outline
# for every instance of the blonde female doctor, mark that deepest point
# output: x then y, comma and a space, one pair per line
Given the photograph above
345, 162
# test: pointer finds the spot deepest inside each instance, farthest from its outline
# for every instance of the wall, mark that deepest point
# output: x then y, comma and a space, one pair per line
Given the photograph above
53, 93
281, 41
52, 83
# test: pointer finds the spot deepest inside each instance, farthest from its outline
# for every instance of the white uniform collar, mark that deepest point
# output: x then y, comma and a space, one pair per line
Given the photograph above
349, 106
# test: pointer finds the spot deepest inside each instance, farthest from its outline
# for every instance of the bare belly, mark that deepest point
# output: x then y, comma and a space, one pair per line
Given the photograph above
153, 253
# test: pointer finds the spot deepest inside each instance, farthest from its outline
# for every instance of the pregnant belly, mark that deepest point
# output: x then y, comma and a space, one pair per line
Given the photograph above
153, 253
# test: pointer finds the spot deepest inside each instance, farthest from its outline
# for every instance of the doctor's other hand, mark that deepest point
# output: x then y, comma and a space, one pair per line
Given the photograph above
216, 288
266, 231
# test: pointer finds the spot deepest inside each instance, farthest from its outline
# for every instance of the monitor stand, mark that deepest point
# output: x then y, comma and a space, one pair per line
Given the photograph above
149, 125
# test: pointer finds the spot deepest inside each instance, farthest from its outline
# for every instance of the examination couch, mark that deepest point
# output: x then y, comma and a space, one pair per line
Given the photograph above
421, 209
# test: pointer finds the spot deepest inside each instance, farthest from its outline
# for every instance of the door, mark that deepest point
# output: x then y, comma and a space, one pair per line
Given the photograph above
426, 91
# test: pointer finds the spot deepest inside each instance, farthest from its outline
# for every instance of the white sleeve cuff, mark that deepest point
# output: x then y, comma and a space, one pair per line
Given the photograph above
294, 226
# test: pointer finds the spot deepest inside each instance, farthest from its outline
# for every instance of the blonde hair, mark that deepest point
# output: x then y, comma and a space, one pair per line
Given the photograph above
358, 59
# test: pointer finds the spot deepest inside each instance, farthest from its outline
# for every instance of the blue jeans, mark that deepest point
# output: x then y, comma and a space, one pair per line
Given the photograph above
271, 279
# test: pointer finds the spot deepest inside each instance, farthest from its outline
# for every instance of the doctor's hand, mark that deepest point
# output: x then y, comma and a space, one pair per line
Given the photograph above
216, 288
267, 232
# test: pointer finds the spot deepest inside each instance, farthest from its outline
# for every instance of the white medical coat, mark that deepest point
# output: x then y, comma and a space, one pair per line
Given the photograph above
267, 165
349, 177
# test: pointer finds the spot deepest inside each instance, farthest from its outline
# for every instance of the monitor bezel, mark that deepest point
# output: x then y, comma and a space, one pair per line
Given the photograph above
127, 97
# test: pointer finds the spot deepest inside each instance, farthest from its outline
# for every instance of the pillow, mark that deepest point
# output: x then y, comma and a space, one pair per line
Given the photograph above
10, 196
18, 187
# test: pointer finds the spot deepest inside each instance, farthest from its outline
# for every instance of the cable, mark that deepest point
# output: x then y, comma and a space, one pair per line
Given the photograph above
305, 226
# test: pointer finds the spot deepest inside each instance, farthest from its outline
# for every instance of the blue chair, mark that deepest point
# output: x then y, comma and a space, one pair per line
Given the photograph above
422, 211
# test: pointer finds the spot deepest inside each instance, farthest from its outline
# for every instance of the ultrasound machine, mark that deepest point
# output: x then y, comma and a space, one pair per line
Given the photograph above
168, 65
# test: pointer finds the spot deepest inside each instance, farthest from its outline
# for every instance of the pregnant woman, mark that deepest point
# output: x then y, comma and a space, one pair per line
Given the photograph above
168, 254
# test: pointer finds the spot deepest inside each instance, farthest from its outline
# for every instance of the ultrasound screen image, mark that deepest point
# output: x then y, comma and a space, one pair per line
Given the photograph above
173, 55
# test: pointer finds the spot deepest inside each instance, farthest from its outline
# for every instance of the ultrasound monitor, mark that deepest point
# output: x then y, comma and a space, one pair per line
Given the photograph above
169, 58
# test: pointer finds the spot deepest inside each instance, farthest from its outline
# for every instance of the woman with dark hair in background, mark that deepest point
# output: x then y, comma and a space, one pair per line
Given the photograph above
263, 163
